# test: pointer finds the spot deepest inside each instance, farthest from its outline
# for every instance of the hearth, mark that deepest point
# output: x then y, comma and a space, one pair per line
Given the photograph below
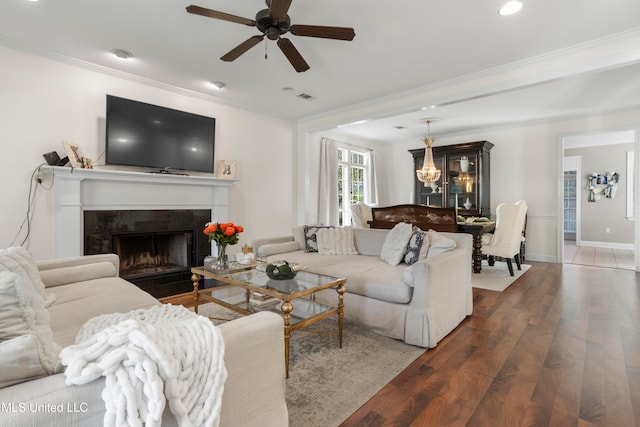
157, 248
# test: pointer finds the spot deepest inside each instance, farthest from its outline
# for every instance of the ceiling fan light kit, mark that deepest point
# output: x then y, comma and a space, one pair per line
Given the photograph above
273, 23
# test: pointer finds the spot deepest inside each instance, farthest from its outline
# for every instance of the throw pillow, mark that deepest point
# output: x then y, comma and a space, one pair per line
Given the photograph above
310, 238
438, 244
18, 260
417, 247
395, 244
22, 314
336, 241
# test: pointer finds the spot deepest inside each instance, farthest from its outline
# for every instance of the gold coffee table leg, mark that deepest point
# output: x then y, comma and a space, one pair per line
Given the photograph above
341, 290
287, 308
195, 279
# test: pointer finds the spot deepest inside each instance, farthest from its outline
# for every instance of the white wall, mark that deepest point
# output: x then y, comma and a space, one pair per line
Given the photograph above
43, 102
523, 166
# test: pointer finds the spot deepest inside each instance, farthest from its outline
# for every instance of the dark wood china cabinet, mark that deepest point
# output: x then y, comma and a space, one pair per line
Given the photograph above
465, 179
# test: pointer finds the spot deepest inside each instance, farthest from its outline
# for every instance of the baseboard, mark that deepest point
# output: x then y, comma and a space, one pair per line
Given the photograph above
606, 245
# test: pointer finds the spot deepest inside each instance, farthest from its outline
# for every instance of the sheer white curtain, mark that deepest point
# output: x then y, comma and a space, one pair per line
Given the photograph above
328, 183
371, 193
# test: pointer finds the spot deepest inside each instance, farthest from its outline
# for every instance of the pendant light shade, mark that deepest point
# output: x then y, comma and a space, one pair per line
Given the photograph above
429, 173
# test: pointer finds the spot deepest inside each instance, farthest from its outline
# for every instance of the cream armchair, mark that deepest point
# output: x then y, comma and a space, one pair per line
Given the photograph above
506, 240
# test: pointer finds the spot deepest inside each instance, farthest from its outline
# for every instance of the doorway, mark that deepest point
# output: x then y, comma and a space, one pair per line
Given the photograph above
598, 180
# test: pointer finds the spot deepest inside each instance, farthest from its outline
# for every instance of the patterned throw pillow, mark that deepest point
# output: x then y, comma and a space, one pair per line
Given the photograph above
310, 238
417, 247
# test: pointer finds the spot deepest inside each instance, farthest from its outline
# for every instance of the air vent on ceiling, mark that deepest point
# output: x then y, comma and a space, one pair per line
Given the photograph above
400, 127
305, 96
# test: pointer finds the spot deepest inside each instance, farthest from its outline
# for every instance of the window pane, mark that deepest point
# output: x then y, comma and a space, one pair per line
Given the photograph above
357, 158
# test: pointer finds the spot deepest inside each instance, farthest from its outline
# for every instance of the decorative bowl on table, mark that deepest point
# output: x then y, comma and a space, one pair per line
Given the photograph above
281, 270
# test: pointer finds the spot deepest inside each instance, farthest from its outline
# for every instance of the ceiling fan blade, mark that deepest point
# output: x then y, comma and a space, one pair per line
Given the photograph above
234, 53
220, 15
337, 33
293, 55
279, 8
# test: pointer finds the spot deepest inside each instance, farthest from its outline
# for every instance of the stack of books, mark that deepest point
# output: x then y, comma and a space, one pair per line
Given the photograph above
261, 300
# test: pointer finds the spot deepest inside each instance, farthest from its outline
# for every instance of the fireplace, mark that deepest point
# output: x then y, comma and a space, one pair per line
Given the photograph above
157, 248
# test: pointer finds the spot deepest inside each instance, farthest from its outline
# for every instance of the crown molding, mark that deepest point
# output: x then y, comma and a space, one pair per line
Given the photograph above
609, 52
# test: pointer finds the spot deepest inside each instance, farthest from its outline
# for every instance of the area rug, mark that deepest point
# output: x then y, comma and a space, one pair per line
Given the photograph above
496, 278
327, 383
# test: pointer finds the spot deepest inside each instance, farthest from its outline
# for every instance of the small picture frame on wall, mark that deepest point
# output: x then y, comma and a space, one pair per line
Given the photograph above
227, 169
76, 158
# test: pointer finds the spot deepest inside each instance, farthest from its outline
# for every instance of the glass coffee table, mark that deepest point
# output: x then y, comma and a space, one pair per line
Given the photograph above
293, 299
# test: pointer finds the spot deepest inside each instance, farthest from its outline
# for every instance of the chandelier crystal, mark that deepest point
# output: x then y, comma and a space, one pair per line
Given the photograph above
429, 173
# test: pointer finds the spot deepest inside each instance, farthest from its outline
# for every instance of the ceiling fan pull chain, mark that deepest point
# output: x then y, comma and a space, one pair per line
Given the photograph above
265, 49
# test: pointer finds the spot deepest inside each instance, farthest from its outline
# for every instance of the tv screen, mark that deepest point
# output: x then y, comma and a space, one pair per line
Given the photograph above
145, 135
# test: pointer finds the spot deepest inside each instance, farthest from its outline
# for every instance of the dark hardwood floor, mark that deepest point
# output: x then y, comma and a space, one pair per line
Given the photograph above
560, 347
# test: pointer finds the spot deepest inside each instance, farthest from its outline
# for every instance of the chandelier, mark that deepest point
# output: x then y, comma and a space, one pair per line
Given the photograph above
429, 173
463, 179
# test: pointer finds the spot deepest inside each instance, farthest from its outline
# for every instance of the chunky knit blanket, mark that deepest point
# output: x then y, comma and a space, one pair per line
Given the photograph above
149, 357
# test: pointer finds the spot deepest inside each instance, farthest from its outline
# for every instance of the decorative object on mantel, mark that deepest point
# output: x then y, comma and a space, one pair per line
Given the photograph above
606, 183
76, 158
223, 234
429, 173
227, 169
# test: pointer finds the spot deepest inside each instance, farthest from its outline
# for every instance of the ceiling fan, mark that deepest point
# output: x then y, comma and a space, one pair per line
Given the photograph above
274, 23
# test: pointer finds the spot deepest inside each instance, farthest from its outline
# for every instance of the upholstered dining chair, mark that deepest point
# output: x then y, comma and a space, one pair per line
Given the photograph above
505, 241
360, 215
524, 231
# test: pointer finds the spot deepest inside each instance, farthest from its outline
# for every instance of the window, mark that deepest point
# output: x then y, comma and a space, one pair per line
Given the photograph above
353, 168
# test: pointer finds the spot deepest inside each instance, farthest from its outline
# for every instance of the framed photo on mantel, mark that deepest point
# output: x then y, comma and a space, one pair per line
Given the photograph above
227, 169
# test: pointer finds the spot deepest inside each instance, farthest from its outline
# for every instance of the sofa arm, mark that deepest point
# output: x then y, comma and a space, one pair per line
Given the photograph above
258, 243
442, 294
254, 394
63, 271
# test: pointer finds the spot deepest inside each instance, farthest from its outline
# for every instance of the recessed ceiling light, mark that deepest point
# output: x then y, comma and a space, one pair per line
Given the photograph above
510, 8
122, 54
218, 85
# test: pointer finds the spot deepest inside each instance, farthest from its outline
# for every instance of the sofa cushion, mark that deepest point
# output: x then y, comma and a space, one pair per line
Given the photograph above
27, 349
395, 244
336, 241
369, 241
439, 243
366, 275
310, 238
78, 302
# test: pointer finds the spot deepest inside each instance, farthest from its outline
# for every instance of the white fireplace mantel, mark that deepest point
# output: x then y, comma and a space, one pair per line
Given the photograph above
77, 190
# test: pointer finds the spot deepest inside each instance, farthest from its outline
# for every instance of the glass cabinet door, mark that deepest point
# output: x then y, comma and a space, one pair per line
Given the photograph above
463, 182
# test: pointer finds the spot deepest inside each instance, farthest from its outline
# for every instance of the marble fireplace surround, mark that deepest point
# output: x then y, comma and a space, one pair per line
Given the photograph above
76, 190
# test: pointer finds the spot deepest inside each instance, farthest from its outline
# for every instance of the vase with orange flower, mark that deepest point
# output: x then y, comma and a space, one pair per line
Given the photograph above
223, 234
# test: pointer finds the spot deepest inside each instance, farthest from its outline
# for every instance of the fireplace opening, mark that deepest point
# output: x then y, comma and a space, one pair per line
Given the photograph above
148, 254
157, 248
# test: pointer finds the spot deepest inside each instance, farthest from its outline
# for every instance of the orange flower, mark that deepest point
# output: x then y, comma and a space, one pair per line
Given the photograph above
223, 234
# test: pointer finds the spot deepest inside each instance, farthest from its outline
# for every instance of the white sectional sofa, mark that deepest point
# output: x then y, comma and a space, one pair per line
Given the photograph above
88, 286
419, 304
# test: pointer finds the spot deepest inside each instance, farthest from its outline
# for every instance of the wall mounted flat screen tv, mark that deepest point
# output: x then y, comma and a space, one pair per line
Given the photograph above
146, 135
